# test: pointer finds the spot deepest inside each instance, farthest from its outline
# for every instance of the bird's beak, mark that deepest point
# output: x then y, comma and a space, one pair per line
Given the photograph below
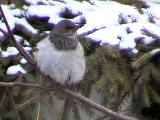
76, 27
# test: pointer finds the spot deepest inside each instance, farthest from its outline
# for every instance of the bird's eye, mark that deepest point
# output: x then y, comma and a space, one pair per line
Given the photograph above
66, 27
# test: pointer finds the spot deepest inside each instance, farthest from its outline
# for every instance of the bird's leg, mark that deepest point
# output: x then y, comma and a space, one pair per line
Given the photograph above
72, 87
58, 85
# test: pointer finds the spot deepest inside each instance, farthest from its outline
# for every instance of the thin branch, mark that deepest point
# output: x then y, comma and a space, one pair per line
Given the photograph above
49, 106
4, 94
75, 96
4, 32
147, 32
97, 106
13, 84
29, 59
14, 105
38, 112
62, 89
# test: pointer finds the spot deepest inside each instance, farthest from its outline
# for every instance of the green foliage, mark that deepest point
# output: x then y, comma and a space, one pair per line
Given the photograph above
109, 71
112, 70
114, 75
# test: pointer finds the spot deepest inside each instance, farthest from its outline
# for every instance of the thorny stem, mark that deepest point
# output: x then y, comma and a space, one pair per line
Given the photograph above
62, 89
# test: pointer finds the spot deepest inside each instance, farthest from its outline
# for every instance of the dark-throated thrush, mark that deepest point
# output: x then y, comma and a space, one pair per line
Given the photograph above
61, 56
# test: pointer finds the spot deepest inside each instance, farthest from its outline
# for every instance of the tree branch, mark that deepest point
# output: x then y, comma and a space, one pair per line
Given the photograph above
74, 95
13, 84
62, 89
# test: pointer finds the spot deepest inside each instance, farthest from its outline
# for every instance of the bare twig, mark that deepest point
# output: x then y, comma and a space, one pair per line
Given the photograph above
62, 89
4, 94
13, 84
14, 105
147, 32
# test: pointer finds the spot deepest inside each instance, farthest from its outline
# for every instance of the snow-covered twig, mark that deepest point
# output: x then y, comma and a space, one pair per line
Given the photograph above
62, 89
147, 32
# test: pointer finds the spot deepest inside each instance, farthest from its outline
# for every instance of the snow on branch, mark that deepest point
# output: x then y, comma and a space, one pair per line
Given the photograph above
60, 88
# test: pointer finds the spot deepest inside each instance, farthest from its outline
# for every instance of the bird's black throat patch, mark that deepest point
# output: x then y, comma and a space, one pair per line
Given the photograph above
63, 42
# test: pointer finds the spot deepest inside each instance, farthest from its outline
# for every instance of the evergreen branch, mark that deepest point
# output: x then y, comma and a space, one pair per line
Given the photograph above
38, 112
143, 59
50, 108
61, 88
97, 106
17, 45
87, 109
151, 18
119, 100
101, 83
75, 112
94, 60
76, 96
16, 89
148, 33
154, 95
107, 69
4, 94
155, 52
65, 109
91, 31
122, 19
122, 97
145, 96
93, 63
155, 72
14, 105
22, 50
145, 73
125, 72
26, 102
27, 93
111, 52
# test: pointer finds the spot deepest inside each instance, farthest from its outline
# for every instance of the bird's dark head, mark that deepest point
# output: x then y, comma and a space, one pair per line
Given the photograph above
65, 27
64, 35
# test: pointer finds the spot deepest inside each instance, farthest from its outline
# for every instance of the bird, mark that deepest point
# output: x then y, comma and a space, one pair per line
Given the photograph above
61, 56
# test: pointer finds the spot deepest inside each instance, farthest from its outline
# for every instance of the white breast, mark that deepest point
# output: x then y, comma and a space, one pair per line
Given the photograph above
65, 67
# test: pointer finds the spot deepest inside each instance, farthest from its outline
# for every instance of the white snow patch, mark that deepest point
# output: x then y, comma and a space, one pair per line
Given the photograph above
153, 52
15, 69
45, 11
18, 38
12, 17
28, 49
111, 35
98, 15
23, 61
26, 43
135, 51
11, 51
23, 22
11, 13
153, 9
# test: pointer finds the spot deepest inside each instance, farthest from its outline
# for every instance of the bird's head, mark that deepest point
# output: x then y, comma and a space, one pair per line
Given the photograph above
65, 27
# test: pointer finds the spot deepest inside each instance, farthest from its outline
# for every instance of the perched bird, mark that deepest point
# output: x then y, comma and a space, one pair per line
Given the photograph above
61, 56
